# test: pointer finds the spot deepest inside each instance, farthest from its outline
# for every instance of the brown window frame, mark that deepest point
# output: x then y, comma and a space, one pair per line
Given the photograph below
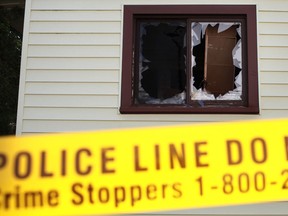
246, 14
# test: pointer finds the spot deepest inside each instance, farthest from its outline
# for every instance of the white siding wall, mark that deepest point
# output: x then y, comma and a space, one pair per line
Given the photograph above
71, 66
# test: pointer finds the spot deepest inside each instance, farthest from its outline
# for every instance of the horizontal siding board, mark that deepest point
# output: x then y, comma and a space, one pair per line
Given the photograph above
116, 5
73, 51
67, 114
273, 65
274, 90
273, 28
272, 77
50, 126
72, 88
272, 114
280, 5
94, 15
43, 126
104, 5
32, 134
71, 101
273, 40
73, 63
262, 5
268, 16
274, 103
76, 5
72, 75
75, 27
74, 39
273, 52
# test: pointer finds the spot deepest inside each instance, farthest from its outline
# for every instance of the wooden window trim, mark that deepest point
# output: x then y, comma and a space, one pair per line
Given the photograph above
132, 12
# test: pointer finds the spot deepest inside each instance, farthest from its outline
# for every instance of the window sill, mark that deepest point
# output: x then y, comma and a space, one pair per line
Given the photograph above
186, 109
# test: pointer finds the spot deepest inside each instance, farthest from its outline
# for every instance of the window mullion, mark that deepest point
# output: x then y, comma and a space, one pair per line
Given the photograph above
189, 62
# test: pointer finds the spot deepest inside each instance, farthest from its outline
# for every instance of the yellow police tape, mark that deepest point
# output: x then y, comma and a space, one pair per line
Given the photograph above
144, 170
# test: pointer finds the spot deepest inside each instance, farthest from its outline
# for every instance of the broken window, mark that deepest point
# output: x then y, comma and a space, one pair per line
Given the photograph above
188, 64
216, 61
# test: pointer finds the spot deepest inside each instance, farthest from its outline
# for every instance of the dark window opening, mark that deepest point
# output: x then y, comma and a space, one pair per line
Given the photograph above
198, 69
162, 54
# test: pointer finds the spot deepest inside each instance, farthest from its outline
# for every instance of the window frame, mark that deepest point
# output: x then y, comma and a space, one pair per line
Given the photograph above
200, 12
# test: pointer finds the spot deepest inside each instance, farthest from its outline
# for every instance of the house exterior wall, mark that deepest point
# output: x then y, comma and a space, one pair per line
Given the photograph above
71, 66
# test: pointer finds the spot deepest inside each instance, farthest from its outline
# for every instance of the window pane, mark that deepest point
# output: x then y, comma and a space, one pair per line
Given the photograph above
162, 53
216, 61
